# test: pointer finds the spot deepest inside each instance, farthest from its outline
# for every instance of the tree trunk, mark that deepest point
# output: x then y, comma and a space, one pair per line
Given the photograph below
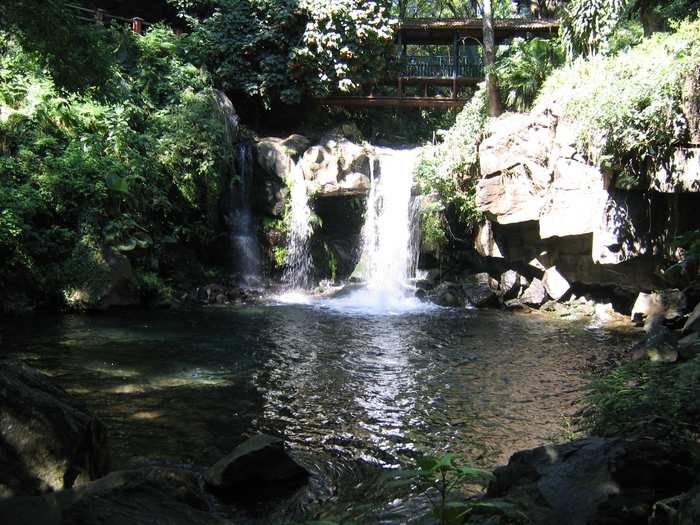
652, 22
495, 107
691, 104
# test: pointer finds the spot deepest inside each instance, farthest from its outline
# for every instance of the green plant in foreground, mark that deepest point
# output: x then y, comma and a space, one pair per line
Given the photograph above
439, 479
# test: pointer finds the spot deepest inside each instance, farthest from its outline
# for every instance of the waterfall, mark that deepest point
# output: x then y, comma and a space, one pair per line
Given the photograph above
243, 239
390, 236
298, 264
390, 240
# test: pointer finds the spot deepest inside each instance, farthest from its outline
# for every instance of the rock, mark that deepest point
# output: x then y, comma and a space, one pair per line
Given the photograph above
255, 467
681, 174
480, 290
660, 345
671, 304
337, 166
101, 278
139, 497
510, 284
555, 284
689, 346
48, 440
593, 480
682, 273
535, 294
485, 243
576, 200
693, 322
447, 294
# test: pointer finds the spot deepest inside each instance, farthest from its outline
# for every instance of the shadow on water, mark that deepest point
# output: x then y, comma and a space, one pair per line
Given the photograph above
353, 395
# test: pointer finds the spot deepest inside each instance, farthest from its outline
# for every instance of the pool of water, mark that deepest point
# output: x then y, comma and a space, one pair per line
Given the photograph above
353, 394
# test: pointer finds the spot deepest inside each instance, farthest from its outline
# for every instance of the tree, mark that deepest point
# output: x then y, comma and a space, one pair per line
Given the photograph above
495, 108
588, 24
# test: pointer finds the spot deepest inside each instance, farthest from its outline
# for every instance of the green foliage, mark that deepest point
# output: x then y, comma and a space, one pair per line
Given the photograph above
284, 49
522, 69
638, 392
448, 173
136, 167
689, 242
627, 109
587, 26
439, 479
78, 55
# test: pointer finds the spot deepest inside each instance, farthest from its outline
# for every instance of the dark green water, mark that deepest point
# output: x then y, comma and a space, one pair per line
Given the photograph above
351, 394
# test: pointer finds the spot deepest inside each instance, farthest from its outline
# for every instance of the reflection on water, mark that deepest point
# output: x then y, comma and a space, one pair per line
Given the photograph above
350, 393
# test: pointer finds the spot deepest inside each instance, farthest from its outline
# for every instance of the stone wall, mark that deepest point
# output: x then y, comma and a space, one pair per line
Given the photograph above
547, 206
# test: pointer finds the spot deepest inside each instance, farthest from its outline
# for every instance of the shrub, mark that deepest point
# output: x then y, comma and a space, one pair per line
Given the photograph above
627, 109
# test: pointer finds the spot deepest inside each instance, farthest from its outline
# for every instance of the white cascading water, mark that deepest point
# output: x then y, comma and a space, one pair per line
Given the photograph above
390, 240
298, 262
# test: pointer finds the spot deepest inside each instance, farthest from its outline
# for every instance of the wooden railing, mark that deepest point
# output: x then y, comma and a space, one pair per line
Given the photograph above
101, 16
439, 67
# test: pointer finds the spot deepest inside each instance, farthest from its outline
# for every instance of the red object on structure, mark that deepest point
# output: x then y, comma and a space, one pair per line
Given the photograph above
137, 25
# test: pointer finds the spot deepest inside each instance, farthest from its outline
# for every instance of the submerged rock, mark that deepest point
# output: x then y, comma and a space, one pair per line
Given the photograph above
259, 467
594, 480
48, 440
131, 497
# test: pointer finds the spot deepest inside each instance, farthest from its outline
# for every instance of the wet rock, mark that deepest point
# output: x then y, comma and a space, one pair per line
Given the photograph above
693, 322
689, 346
660, 346
140, 497
535, 294
555, 284
480, 290
103, 279
510, 284
594, 480
447, 294
671, 304
48, 440
258, 467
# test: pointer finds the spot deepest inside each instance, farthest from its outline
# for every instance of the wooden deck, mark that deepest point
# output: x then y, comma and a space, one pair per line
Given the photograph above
392, 102
442, 31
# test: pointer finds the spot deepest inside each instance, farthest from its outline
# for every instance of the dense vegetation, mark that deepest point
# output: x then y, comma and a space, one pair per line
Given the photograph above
134, 163
626, 127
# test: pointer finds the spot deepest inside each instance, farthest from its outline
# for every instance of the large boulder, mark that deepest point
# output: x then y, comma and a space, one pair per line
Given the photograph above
480, 290
132, 497
99, 278
535, 295
669, 304
594, 480
447, 294
48, 440
257, 467
338, 166
555, 284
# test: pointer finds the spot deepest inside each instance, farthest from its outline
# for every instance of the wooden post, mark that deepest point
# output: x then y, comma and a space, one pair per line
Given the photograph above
455, 63
137, 25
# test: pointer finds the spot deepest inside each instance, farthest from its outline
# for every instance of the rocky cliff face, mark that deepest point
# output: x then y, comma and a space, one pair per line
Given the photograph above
337, 169
547, 206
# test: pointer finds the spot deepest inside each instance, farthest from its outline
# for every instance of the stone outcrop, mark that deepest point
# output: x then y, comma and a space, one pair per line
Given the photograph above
103, 278
594, 480
259, 467
544, 202
332, 167
131, 497
48, 440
